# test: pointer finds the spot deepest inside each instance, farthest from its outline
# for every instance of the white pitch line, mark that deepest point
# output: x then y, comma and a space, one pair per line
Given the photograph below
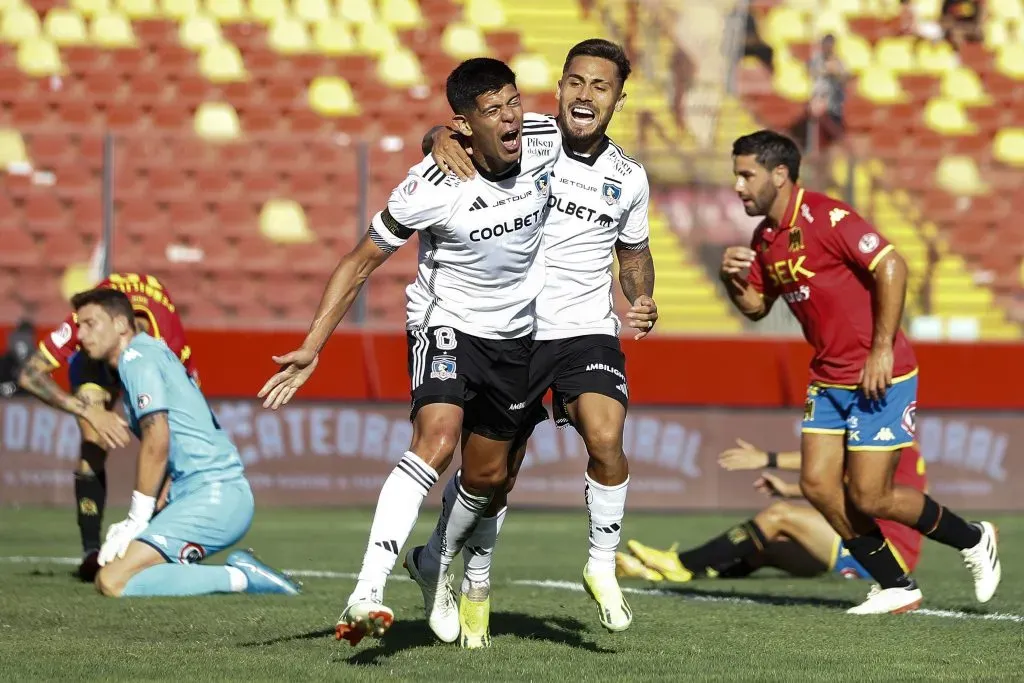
576, 588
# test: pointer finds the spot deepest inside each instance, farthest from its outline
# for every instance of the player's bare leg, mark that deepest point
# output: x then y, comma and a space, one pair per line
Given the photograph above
802, 542
822, 482
436, 431
600, 420
872, 491
90, 485
484, 470
112, 579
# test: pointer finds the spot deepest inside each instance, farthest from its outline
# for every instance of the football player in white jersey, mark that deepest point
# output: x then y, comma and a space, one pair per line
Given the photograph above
599, 209
470, 318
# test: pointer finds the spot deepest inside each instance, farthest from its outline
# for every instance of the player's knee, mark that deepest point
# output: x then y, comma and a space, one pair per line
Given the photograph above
484, 480
872, 500
775, 518
435, 441
816, 490
110, 583
604, 442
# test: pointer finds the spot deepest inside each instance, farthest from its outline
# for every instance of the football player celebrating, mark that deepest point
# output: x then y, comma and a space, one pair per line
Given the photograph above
598, 212
846, 285
95, 387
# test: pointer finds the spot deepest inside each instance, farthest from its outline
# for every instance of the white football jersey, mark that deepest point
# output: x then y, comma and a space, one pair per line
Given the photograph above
479, 240
597, 203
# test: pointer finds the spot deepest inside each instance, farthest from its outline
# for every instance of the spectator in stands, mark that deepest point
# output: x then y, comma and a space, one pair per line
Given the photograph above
828, 96
19, 347
961, 21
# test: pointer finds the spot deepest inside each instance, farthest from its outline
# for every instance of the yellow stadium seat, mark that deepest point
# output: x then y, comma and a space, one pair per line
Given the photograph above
331, 96
39, 57
963, 85
180, 9
784, 25
1010, 60
895, 53
927, 9
112, 30
376, 38
90, 8
311, 11
400, 69
854, 51
1005, 9
19, 23
12, 148
400, 13
996, 34
198, 31
947, 117
1008, 146
463, 41
791, 81
959, 175
484, 13
880, 86
64, 26
935, 58
216, 121
226, 11
828, 21
288, 36
849, 7
533, 73
222, 63
283, 221
139, 9
267, 11
333, 37
357, 11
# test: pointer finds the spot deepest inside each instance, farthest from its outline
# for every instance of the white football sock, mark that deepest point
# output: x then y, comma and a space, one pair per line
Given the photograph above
397, 509
606, 506
479, 549
458, 519
239, 581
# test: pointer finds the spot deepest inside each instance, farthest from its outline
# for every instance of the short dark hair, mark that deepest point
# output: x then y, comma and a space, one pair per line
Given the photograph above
602, 49
476, 77
112, 301
771, 149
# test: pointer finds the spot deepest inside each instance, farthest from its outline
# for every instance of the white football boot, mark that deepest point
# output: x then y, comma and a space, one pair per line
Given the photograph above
439, 600
890, 600
983, 561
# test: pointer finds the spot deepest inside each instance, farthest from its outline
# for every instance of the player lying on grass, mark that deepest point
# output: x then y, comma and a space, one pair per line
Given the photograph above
210, 505
794, 538
470, 318
598, 205
95, 388
846, 285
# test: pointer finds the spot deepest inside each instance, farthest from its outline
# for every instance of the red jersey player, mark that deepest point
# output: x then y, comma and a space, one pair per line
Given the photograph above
95, 387
794, 538
846, 285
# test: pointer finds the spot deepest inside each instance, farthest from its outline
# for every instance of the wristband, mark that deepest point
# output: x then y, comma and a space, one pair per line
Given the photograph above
142, 507
773, 459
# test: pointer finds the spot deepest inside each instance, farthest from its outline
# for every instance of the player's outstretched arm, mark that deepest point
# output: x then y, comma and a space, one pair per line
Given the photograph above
775, 487
36, 378
149, 477
889, 295
746, 456
636, 277
450, 151
744, 296
348, 278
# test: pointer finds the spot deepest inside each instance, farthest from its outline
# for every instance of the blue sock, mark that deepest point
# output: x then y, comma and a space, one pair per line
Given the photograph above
179, 580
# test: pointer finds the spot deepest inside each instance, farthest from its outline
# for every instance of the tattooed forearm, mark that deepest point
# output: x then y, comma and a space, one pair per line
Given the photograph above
156, 441
636, 272
35, 378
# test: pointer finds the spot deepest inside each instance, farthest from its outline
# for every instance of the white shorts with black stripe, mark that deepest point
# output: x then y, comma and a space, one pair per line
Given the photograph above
487, 378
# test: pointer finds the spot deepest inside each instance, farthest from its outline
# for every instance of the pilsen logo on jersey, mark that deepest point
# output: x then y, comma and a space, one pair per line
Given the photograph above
443, 367
796, 240
611, 191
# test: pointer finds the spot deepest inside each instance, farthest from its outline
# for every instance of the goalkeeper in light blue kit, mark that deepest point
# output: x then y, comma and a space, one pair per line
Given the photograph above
210, 505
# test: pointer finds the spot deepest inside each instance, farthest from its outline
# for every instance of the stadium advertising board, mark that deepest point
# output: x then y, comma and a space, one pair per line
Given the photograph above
339, 453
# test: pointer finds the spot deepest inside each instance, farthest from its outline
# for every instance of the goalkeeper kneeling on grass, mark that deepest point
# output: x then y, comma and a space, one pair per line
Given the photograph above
786, 535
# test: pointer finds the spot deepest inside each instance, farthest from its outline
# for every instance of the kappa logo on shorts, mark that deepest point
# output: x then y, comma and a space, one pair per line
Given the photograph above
884, 434
909, 420
443, 367
191, 552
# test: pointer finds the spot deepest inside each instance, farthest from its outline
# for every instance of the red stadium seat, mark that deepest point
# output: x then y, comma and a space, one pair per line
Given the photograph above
18, 247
